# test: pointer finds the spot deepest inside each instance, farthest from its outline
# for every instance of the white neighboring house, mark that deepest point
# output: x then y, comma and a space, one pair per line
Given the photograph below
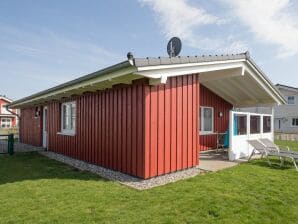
286, 116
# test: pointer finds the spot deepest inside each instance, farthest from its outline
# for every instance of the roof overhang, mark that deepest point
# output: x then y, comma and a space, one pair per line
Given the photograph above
238, 80
103, 79
288, 88
5, 99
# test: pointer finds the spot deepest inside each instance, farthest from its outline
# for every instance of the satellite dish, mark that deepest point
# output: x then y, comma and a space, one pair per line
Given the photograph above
174, 47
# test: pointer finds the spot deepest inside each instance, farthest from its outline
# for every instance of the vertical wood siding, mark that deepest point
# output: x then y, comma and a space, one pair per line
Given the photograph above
109, 129
171, 125
137, 129
30, 127
210, 99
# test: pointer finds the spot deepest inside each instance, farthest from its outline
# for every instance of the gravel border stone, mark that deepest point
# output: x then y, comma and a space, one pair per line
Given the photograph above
122, 178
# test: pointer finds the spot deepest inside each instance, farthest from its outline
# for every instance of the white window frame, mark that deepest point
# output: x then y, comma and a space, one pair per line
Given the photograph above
6, 119
260, 124
71, 131
202, 132
270, 124
292, 122
293, 100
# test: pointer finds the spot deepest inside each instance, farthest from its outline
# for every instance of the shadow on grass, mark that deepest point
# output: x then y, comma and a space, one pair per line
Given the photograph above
33, 166
275, 164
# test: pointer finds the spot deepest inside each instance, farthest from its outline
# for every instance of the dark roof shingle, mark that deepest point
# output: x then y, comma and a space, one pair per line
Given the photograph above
151, 61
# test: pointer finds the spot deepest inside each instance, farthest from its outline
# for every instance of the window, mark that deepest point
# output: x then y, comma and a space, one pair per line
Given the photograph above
240, 124
255, 123
68, 118
295, 122
291, 100
267, 124
206, 120
37, 112
6, 123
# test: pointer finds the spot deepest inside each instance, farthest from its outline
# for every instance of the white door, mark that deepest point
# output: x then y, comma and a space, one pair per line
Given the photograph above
44, 127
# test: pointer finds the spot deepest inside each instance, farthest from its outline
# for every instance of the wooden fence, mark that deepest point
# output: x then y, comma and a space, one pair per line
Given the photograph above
7, 131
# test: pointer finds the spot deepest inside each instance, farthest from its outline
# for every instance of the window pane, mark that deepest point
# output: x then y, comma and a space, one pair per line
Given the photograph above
266, 124
240, 124
207, 119
255, 124
295, 121
73, 116
291, 99
66, 117
69, 117
5, 122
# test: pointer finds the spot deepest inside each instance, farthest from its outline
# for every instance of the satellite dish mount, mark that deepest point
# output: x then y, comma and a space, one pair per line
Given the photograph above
174, 47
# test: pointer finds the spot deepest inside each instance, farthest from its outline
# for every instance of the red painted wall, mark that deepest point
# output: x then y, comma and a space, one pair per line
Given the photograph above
210, 99
30, 127
137, 129
109, 129
171, 125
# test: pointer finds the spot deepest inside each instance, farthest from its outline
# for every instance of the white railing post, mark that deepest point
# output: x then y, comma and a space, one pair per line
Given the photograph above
231, 135
261, 124
272, 123
248, 125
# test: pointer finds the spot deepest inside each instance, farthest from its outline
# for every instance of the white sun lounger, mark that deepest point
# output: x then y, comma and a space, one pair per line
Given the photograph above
270, 144
258, 146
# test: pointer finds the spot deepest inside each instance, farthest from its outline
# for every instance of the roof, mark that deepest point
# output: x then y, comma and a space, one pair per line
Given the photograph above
5, 98
149, 61
286, 87
76, 81
130, 69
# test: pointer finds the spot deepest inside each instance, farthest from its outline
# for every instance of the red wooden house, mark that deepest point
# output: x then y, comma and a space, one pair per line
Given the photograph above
145, 116
7, 119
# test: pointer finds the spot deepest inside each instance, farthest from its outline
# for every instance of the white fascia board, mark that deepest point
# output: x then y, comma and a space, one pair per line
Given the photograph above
287, 88
6, 99
162, 71
84, 84
158, 71
261, 80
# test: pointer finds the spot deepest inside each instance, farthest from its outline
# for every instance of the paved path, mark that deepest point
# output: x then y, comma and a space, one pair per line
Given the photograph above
214, 161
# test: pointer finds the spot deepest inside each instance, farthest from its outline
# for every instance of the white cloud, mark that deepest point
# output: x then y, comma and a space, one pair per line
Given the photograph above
42, 58
50, 56
271, 21
180, 18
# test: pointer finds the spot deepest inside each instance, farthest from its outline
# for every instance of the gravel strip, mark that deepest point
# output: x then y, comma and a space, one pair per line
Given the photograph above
122, 178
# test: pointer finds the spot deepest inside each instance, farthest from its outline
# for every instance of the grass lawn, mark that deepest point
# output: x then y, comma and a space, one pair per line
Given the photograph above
34, 189
292, 144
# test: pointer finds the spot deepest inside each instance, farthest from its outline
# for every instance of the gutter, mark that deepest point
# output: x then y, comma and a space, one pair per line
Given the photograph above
6, 107
121, 65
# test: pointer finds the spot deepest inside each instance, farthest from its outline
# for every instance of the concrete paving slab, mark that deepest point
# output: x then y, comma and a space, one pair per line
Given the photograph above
217, 160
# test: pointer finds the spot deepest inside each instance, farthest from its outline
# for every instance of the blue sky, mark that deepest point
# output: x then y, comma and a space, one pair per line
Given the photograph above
45, 43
